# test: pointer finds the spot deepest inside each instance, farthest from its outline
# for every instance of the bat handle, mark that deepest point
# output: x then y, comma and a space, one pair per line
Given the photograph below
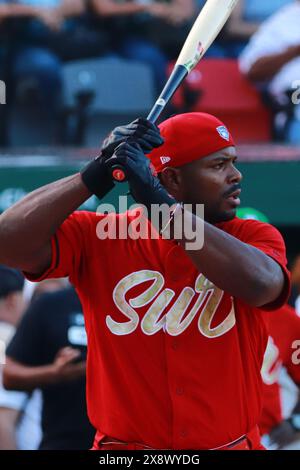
177, 76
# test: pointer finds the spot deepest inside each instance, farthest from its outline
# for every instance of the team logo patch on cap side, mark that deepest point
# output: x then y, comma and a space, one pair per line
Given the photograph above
165, 160
223, 131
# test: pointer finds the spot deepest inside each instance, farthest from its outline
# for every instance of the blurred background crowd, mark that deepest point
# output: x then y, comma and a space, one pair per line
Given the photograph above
71, 70
57, 58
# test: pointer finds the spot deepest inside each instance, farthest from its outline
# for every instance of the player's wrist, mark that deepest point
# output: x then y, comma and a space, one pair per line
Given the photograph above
97, 178
150, 193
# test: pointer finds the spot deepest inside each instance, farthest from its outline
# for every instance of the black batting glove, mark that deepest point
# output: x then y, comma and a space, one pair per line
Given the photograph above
142, 131
144, 186
97, 177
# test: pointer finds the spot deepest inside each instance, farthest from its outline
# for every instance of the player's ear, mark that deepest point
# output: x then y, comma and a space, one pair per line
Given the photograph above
172, 180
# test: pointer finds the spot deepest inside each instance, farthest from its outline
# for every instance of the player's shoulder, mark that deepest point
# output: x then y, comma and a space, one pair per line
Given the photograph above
289, 312
244, 229
237, 225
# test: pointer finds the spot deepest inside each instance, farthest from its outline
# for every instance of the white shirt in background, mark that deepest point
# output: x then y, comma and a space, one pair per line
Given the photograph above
28, 430
276, 35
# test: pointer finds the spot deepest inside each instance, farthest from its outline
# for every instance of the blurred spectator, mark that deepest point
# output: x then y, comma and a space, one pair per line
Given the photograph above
69, 33
19, 412
37, 67
48, 351
148, 31
272, 60
246, 19
33, 290
13, 12
284, 331
12, 303
295, 278
32, 70
3, 107
48, 33
170, 23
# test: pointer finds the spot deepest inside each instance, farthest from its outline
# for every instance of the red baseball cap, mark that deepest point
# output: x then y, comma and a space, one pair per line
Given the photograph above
189, 137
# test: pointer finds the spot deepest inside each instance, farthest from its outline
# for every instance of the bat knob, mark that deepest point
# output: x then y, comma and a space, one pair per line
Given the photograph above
118, 174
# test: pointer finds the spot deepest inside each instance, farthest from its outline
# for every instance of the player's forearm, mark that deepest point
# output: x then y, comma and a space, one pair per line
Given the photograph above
24, 378
10, 11
27, 227
235, 267
71, 8
266, 67
15, 10
111, 8
4, 12
240, 29
181, 9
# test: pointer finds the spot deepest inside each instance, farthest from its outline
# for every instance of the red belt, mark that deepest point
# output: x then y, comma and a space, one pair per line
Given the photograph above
250, 441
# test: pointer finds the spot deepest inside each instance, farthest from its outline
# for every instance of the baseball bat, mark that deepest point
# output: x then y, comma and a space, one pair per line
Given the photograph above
206, 28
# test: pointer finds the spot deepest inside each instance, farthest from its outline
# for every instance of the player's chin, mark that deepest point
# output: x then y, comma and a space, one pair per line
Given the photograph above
230, 214
227, 214
229, 208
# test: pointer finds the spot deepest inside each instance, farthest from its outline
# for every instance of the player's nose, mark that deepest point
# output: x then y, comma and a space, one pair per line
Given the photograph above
234, 176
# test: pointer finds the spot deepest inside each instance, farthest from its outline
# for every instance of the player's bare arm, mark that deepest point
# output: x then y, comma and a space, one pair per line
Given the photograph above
27, 227
236, 267
266, 67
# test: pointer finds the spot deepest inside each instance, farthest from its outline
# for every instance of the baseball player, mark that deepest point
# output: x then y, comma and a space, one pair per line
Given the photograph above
176, 336
284, 334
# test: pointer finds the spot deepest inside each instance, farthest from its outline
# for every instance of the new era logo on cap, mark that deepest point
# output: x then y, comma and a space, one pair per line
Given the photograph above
165, 160
223, 131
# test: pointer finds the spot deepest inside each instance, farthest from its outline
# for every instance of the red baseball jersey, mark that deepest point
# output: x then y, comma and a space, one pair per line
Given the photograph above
284, 331
173, 361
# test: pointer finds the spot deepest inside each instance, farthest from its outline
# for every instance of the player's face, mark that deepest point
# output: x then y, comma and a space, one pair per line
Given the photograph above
215, 182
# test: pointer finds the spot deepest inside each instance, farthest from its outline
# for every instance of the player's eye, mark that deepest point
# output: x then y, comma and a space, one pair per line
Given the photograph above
219, 165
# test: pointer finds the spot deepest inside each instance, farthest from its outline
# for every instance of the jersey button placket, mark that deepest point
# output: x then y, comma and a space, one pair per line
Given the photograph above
178, 392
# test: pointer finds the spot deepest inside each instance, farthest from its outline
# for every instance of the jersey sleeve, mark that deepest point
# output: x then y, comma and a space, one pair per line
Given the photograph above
68, 247
268, 239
